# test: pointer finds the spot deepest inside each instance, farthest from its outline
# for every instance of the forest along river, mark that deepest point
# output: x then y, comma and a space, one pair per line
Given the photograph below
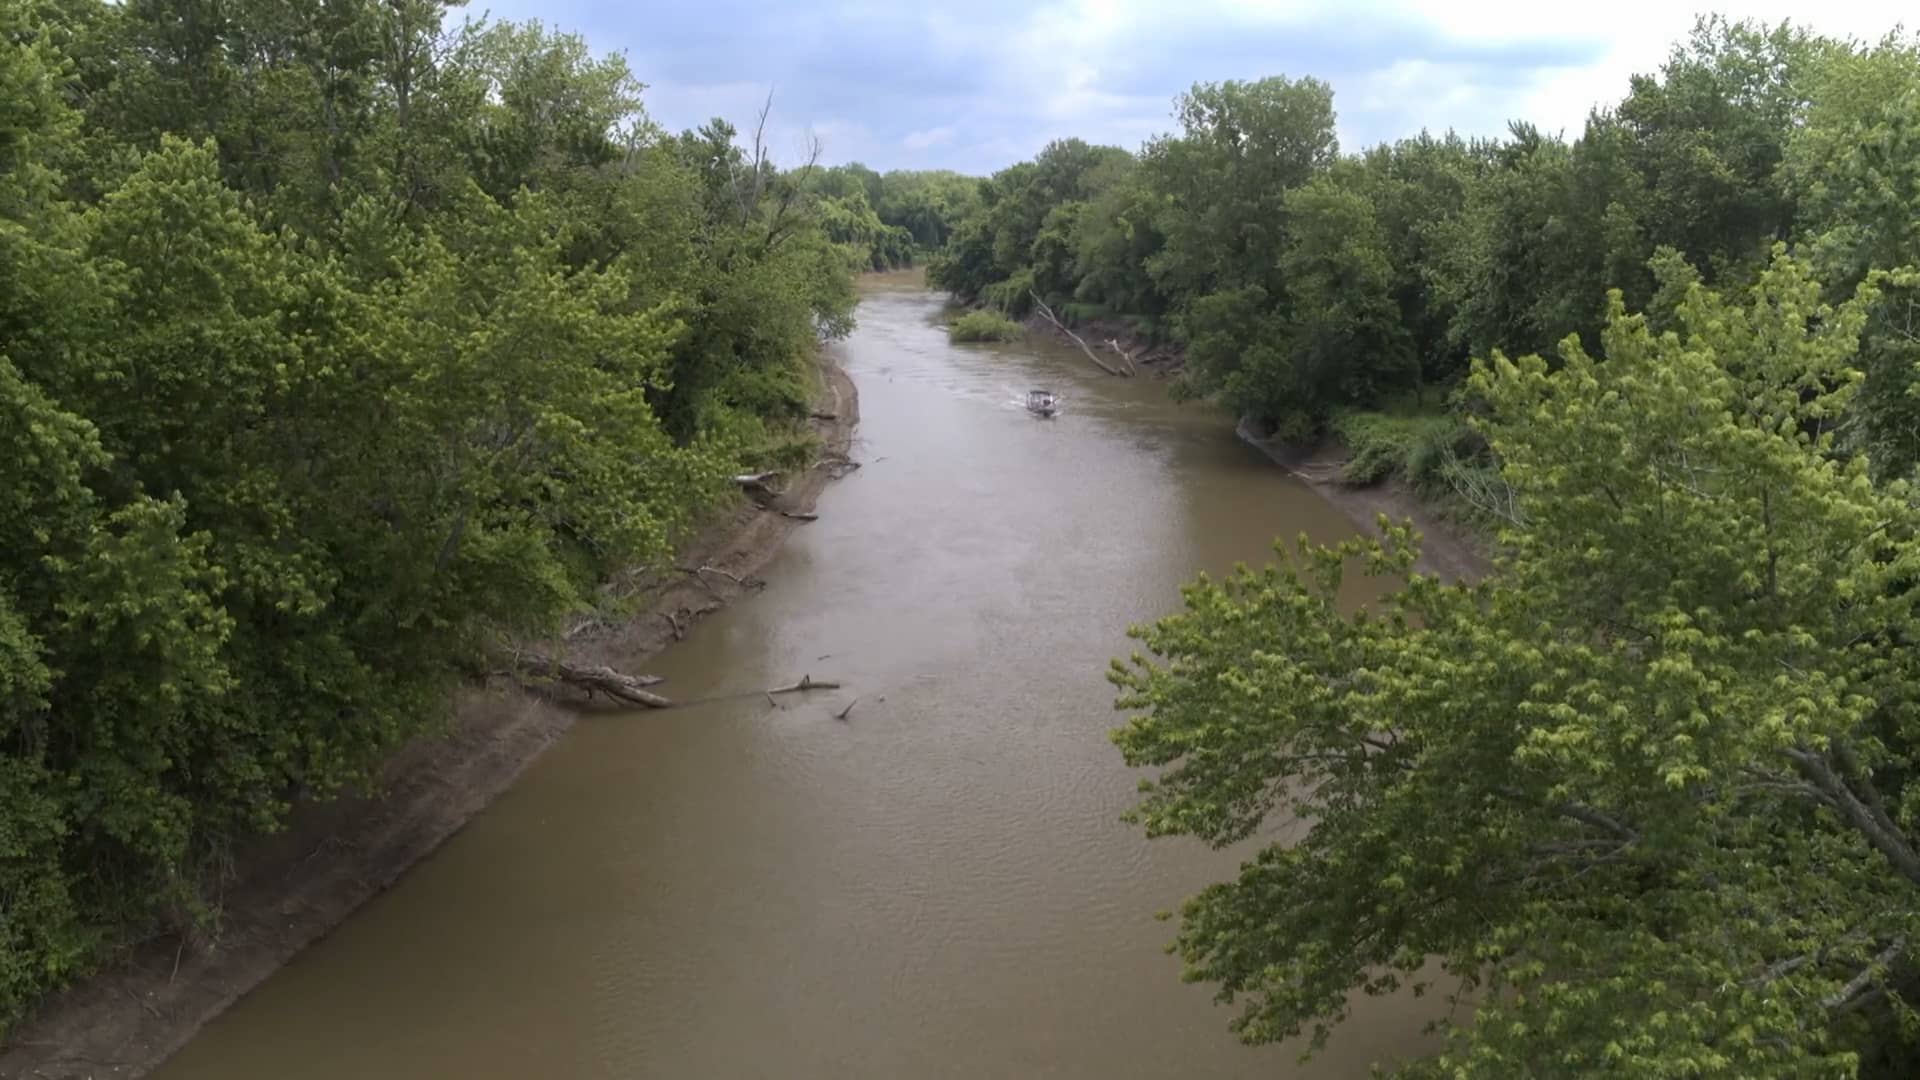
939, 885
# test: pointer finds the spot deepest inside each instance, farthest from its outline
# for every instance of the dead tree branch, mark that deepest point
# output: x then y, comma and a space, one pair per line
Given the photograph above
617, 685
1589, 816
780, 223
1855, 993
1880, 830
589, 626
698, 572
838, 465
1047, 313
756, 483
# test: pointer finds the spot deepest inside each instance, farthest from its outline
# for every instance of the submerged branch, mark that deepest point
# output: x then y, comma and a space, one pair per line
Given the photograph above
807, 682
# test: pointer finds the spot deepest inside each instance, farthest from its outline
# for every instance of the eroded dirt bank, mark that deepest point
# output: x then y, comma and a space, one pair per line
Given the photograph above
1446, 550
293, 887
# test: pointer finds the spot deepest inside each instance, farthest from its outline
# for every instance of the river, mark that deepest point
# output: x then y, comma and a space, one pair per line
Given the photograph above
940, 884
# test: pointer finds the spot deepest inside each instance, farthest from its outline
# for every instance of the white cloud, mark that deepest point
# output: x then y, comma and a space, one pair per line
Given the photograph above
1633, 37
921, 140
980, 86
1066, 55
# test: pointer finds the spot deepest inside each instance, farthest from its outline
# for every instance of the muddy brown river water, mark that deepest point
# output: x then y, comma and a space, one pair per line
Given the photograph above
938, 886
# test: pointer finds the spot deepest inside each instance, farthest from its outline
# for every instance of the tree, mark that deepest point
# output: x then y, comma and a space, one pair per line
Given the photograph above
1346, 335
927, 204
1420, 189
1114, 241
334, 348
1513, 262
1708, 136
1224, 179
1851, 170
1026, 216
1222, 191
1645, 794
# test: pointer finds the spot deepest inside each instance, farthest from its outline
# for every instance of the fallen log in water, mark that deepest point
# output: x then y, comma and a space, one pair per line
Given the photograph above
1047, 312
617, 685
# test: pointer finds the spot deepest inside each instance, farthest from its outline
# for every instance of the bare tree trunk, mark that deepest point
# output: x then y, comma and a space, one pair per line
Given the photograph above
617, 685
1091, 355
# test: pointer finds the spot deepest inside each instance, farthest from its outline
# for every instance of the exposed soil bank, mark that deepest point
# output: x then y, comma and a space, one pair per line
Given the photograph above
1447, 551
293, 887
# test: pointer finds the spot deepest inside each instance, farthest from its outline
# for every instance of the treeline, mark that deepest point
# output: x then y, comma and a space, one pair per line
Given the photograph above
1301, 280
892, 220
336, 343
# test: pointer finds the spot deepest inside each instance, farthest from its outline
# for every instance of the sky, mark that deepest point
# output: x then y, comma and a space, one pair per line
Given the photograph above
978, 85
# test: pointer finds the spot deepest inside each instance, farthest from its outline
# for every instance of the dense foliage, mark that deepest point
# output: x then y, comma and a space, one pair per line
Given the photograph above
1646, 793
335, 341
1301, 282
1646, 797
886, 222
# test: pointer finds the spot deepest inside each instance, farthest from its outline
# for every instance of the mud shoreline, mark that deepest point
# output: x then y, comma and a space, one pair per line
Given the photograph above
295, 886
1446, 550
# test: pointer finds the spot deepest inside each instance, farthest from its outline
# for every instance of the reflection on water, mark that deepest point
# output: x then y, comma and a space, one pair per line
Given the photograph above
937, 886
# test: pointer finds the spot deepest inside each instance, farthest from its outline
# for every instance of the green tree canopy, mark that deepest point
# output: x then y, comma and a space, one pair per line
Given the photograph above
1644, 794
335, 345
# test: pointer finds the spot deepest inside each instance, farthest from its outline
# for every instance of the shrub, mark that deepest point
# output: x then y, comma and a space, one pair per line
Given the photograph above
985, 326
1412, 445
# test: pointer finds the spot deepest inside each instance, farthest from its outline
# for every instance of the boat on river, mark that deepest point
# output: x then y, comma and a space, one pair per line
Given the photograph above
1042, 402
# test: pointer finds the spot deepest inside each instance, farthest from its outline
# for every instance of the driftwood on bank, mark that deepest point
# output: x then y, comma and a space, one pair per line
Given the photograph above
1047, 313
617, 685
698, 573
756, 483
807, 682
837, 465
1114, 344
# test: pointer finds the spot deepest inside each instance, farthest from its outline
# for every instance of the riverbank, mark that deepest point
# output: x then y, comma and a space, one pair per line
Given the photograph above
292, 888
1448, 551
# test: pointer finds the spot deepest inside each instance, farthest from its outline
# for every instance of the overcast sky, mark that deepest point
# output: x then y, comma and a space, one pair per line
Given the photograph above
980, 84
